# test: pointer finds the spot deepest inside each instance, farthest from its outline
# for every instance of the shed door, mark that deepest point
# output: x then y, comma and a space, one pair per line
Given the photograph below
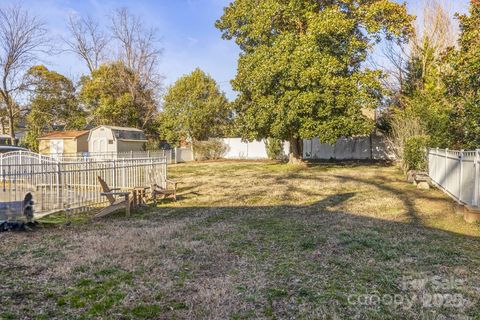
56, 146
103, 145
99, 145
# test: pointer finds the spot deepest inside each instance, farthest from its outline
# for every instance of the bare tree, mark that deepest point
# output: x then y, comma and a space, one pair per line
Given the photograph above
22, 38
138, 46
138, 50
433, 36
436, 27
394, 63
434, 33
403, 127
88, 41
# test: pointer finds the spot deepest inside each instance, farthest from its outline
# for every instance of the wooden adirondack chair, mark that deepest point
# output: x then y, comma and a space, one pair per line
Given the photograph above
157, 189
123, 202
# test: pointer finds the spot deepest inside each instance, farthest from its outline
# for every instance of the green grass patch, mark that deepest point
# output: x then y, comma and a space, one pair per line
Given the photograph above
98, 295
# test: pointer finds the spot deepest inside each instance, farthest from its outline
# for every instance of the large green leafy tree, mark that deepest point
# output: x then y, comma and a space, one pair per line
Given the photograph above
52, 104
463, 82
194, 108
301, 72
112, 96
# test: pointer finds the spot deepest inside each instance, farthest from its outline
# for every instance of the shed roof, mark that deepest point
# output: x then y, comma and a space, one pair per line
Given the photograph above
72, 134
126, 133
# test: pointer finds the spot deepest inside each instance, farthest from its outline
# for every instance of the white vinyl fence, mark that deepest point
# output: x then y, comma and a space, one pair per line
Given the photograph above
373, 147
182, 155
176, 155
255, 150
95, 156
72, 186
457, 173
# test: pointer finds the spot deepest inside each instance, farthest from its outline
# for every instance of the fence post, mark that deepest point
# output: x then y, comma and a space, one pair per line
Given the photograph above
114, 165
124, 184
460, 181
477, 173
164, 172
58, 182
429, 170
150, 172
445, 170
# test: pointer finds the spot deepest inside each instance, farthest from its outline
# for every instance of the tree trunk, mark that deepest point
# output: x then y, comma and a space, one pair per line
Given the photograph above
296, 151
2, 123
11, 125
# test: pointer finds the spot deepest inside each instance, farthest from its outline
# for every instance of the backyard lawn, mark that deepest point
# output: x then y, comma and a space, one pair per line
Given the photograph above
250, 240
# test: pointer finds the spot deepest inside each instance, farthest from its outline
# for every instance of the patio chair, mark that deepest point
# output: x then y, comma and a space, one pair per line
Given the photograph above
157, 189
123, 202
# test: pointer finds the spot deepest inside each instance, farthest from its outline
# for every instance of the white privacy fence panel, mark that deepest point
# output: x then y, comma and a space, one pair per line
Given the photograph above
355, 148
72, 186
238, 149
457, 173
183, 155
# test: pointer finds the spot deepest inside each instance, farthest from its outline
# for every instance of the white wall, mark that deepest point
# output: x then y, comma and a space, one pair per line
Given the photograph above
237, 149
183, 155
358, 148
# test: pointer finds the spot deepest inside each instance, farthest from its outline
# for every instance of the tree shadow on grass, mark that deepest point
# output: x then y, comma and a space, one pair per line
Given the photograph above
292, 260
286, 261
383, 183
341, 252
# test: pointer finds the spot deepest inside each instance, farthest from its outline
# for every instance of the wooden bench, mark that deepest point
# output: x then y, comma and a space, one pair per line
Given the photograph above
123, 202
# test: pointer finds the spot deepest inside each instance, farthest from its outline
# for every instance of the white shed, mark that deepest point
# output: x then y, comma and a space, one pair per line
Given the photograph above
115, 139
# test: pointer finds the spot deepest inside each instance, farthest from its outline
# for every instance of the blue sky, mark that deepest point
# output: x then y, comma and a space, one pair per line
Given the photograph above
186, 28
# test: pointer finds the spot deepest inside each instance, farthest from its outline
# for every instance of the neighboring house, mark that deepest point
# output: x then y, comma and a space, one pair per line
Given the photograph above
63, 142
115, 139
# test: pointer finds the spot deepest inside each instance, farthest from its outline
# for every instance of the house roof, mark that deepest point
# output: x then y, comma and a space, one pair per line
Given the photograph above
72, 134
126, 133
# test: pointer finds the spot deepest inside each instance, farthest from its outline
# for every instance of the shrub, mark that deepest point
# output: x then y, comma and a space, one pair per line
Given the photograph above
415, 153
274, 149
403, 125
209, 150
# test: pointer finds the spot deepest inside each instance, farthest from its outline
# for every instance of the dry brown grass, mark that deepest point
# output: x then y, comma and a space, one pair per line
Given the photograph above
250, 240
